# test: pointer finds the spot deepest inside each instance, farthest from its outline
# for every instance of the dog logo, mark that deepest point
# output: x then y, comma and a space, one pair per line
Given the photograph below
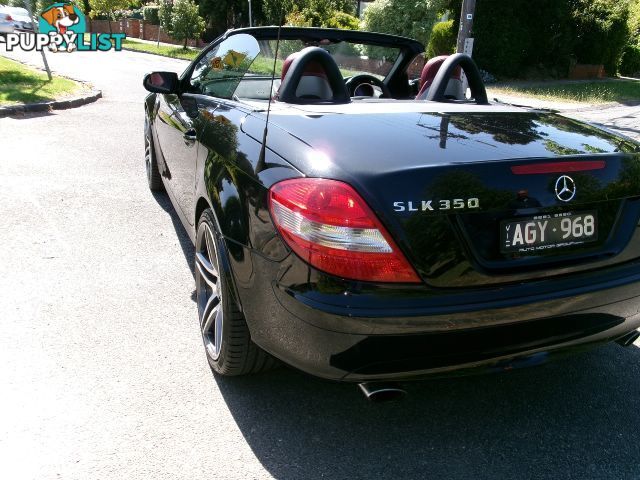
62, 19
63, 28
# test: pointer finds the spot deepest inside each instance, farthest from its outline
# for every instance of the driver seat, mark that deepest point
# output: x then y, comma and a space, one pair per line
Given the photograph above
312, 76
429, 72
313, 84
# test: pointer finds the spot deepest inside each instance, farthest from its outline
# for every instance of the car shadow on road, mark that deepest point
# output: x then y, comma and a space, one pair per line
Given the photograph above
574, 418
185, 242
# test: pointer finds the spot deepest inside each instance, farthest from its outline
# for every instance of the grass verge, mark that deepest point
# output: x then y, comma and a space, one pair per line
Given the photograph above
22, 84
602, 91
165, 51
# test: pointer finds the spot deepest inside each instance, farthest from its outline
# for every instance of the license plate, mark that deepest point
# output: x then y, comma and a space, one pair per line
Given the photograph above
548, 232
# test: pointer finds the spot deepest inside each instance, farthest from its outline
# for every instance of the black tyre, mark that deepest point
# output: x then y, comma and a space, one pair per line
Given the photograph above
225, 334
153, 174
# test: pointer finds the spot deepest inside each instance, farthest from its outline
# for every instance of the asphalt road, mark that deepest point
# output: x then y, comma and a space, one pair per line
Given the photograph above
103, 374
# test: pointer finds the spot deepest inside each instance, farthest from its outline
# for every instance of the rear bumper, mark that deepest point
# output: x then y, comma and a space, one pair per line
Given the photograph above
341, 342
356, 357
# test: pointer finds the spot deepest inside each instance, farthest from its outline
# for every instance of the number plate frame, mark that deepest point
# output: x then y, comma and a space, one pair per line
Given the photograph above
533, 240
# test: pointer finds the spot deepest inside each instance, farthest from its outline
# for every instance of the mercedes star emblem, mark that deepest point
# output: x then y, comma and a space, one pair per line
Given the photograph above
565, 188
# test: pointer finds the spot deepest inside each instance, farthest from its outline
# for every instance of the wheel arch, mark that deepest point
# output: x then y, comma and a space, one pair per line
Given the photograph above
201, 205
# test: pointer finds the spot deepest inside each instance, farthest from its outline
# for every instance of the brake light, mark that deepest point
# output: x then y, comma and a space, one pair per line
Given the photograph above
558, 167
330, 226
8, 17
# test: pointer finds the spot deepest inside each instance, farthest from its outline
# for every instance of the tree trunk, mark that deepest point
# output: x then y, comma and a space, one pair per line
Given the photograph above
185, 43
114, 19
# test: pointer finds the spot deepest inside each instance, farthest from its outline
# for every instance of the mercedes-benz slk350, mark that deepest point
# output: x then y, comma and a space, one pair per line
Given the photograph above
357, 213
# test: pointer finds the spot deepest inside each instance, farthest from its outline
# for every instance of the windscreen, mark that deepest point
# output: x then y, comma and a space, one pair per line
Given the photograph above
241, 67
351, 58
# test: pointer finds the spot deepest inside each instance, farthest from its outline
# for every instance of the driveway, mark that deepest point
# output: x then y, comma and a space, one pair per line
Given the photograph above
620, 118
104, 376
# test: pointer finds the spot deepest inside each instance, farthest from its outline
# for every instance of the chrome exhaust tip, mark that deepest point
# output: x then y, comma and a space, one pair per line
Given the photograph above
628, 339
378, 392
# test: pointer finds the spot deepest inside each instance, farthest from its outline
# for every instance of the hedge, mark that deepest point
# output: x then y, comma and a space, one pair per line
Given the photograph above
630, 64
443, 39
513, 37
150, 14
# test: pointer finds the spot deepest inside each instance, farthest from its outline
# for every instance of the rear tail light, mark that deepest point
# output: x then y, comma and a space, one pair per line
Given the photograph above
8, 17
331, 227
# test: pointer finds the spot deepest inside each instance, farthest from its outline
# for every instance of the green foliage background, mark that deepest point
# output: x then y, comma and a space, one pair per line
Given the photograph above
630, 63
515, 37
186, 23
443, 39
408, 18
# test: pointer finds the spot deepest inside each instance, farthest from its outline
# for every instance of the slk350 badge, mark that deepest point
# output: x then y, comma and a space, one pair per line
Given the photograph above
437, 205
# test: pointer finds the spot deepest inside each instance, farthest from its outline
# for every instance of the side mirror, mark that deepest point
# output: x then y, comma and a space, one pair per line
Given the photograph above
161, 82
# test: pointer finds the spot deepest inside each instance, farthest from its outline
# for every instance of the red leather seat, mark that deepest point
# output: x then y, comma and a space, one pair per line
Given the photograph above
429, 72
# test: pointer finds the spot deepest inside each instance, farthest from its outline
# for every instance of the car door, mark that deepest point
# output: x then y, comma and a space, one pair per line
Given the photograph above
215, 75
177, 144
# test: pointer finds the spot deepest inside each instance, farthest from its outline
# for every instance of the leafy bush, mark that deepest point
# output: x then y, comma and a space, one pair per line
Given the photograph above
322, 15
512, 38
297, 19
186, 24
634, 21
40, 5
409, 18
112, 8
318, 11
150, 14
502, 38
443, 39
630, 63
601, 32
343, 20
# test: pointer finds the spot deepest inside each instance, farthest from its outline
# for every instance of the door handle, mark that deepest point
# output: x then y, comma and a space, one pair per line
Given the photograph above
189, 136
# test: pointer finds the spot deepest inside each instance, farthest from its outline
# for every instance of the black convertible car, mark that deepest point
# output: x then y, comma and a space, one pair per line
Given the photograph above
358, 216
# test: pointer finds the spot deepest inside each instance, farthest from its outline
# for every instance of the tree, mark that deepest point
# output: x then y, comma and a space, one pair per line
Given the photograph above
221, 15
409, 18
322, 13
185, 21
318, 11
630, 63
600, 31
165, 11
38, 5
107, 7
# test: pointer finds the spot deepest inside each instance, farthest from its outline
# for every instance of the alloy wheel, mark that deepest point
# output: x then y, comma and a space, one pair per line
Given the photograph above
208, 291
147, 148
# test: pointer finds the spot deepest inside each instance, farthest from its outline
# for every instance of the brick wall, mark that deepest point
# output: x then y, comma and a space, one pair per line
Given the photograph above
138, 29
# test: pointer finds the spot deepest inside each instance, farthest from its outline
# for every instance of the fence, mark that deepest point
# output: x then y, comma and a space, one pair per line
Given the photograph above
134, 28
